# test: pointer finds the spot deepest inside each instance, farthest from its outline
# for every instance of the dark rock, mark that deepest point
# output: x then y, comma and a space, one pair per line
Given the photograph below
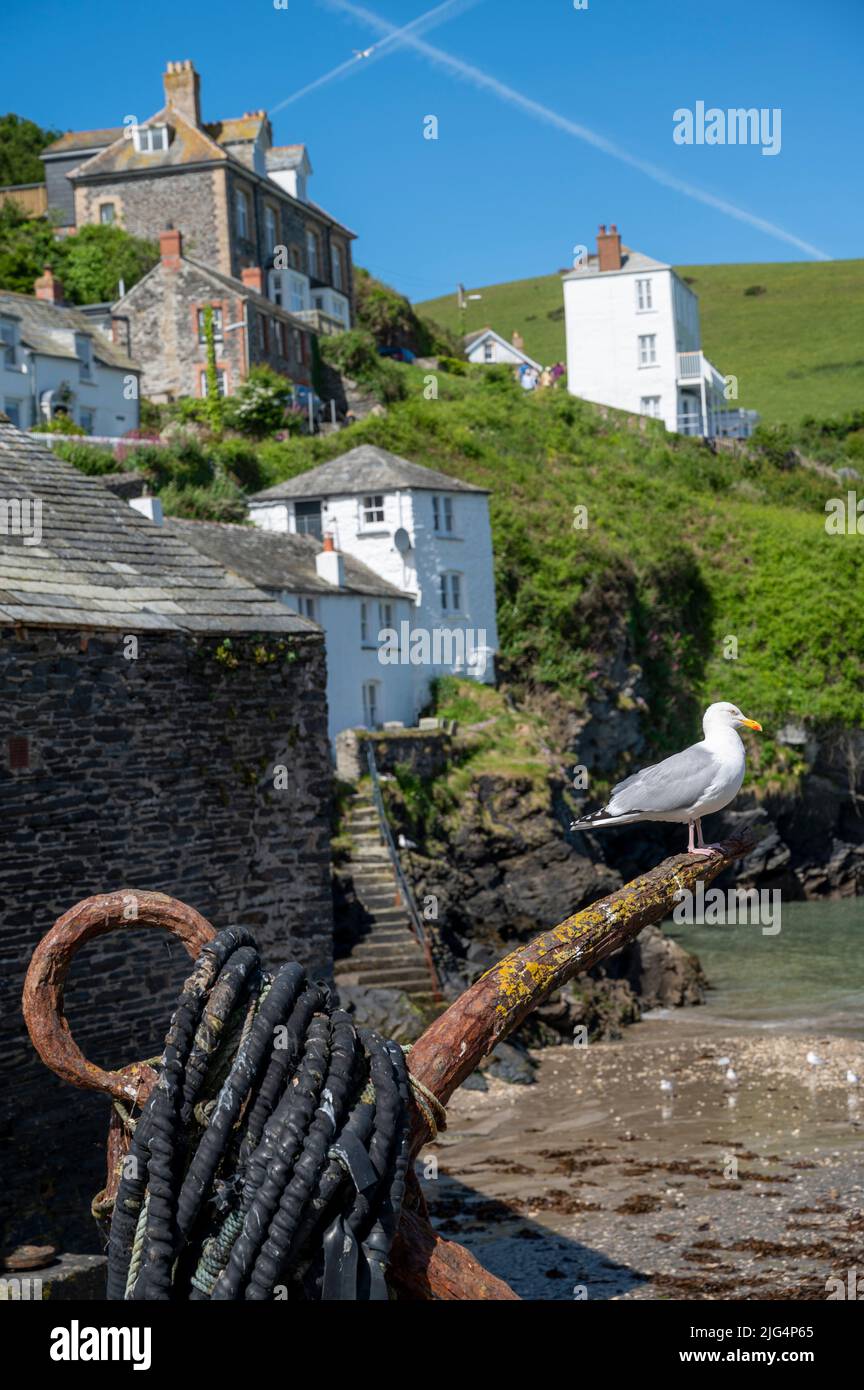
511, 1063
659, 971
475, 1082
389, 1011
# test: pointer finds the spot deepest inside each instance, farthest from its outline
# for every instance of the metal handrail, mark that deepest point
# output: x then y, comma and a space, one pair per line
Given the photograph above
401, 881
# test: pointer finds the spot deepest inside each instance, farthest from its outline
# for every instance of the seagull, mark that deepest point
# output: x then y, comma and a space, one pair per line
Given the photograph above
731, 1077
815, 1060
851, 1077
687, 786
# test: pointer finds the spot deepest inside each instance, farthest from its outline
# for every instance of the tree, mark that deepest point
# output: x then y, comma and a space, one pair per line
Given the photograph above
21, 142
89, 264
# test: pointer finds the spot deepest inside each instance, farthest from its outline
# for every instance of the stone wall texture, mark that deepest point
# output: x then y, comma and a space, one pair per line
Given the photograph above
151, 773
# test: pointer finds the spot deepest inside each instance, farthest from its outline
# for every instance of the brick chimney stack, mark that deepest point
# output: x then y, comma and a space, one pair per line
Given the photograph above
183, 91
171, 248
48, 287
608, 248
253, 278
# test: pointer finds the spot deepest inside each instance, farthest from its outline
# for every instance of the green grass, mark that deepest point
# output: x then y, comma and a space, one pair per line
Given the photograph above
683, 549
797, 349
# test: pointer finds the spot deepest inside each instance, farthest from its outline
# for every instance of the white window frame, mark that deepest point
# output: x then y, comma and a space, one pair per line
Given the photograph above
650, 406
222, 382
644, 296
489, 351
84, 353
452, 591
111, 210
217, 323
647, 349
372, 704
276, 287
312, 249
297, 293
241, 212
271, 235
8, 343
442, 514
150, 139
373, 511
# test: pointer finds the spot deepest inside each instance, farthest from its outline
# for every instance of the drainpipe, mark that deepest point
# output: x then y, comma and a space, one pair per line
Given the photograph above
702, 394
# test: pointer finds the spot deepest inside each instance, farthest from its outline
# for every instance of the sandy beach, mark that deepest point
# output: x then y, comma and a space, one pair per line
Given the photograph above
600, 1183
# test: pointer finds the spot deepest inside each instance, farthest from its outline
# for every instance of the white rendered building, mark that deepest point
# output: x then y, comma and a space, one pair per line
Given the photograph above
424, 534
55, 360
486, 347
634, 342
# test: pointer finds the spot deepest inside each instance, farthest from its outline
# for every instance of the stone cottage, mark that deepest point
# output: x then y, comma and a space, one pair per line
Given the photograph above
165, 313
165, 728
239, 200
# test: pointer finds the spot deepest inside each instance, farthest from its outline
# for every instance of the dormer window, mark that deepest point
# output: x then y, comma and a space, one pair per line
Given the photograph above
150, 139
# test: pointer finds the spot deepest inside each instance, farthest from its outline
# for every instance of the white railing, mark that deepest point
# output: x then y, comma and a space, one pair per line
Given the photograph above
689, 366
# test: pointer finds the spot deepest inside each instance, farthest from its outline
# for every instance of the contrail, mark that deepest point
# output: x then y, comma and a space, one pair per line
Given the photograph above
391, 41
580, 132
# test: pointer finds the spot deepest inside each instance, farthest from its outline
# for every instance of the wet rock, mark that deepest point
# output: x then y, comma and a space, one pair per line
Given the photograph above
512, 1063
659, 971
390, 1012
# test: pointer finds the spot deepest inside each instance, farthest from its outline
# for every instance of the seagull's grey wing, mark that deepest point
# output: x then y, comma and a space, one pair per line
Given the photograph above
673, 785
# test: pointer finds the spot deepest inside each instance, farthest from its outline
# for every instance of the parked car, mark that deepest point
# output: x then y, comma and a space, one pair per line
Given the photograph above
398, 354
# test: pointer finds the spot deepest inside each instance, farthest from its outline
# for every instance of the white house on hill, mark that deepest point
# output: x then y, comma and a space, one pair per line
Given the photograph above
634, 342
486, 347
424, 534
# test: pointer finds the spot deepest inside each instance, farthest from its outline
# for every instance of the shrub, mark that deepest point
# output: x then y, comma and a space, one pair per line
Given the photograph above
355, 354
240, 461
453, 365
87, 458
61, 424
261, 404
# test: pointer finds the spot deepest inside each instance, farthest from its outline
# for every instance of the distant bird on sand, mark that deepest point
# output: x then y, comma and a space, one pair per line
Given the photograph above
851, 1077
687, 786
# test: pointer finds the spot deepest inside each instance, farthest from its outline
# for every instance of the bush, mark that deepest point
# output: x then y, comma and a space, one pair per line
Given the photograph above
87, 458
241, 463
61, 424
355, 354
454, 365
261, 404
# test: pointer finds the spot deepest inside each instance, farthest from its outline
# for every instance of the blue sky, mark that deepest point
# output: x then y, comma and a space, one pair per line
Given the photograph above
501, 194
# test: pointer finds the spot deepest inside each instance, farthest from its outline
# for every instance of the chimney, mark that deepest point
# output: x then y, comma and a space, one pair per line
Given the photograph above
608, 248
183, 91
517, 340
330, 564
48, 287
171, 248
253, 278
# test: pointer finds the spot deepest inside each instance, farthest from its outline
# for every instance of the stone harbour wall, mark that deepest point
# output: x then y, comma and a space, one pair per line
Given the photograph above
152, 773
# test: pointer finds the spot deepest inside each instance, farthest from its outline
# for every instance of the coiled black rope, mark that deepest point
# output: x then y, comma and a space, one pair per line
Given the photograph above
270, 1159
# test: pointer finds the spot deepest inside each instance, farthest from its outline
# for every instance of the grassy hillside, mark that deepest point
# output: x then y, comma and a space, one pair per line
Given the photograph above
797, 349
683, 549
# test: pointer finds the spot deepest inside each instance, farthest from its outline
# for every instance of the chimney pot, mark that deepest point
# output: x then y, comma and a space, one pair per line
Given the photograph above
48, 287
183, 90
330, 564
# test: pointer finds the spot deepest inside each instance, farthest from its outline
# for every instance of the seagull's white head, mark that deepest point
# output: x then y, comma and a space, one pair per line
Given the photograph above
726, 716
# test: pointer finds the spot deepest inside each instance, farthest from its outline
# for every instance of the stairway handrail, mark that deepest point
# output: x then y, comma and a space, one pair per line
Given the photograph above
401, 881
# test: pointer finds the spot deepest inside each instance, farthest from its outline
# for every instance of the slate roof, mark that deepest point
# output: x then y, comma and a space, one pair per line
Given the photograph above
364, 469
39, 320
189, 144
99, 564
226, 282
278, 560
75, 140
630, 260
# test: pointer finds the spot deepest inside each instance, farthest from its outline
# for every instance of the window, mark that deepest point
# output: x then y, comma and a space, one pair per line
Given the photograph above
13, 410
307, 519
373, 510
643, 295
270, 236
297, 345
442, 515
263, 336
106, 213
647, 349
311, 253
84, 353
308, 608
451, 592
279, 337
298, 294
150, 139
489, 351
337, 267
650, 405
221, 382
7, 342
85, 419
371, 704
318, 302
241, 209
217, 325
295, 257
364, 623
385, 615
277, 288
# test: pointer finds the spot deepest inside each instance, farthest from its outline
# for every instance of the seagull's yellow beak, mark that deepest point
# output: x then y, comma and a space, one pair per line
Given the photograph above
751, 724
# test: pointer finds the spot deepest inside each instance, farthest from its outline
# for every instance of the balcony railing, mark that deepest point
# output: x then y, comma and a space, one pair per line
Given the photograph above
721, 424
318, 321
690, 366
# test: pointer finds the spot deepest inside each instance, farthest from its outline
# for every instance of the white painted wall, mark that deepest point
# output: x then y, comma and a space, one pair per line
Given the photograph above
113, 415
501, 352
603, 327
351, 661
